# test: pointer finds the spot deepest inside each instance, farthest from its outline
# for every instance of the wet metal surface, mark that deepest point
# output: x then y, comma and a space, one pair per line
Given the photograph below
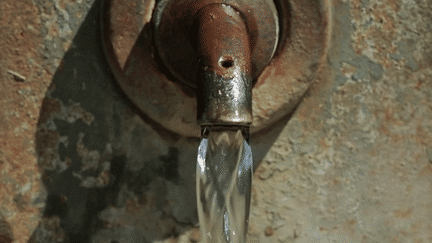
224, 89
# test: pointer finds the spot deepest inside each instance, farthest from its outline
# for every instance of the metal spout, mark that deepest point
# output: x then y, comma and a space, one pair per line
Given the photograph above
224, 89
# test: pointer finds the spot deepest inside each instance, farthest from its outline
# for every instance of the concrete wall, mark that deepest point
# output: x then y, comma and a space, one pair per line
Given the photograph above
79, 162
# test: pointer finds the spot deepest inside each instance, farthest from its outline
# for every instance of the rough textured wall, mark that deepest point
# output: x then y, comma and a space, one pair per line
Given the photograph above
79, 163
358, 150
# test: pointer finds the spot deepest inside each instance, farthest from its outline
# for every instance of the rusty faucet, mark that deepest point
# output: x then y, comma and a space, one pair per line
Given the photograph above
224, 87
190, 66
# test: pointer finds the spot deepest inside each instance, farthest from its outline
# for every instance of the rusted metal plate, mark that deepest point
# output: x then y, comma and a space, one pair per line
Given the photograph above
129, 45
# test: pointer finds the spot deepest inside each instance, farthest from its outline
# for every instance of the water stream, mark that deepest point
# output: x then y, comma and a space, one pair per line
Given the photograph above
224, 175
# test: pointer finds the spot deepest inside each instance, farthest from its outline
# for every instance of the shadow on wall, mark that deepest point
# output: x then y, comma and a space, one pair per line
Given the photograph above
95, 153
111, 174
6, 235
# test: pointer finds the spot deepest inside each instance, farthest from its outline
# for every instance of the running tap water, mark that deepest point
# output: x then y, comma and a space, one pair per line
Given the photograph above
224, 111
223, 185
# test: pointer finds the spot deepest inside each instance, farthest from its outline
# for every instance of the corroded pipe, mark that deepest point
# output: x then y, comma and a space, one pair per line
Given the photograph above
224, 90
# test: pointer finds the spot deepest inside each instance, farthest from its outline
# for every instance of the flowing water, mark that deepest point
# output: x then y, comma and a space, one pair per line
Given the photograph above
224, 175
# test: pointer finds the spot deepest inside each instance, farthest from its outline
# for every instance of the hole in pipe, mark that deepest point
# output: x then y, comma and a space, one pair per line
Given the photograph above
227, 63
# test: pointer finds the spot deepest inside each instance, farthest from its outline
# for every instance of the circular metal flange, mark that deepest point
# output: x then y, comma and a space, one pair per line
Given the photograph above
172, 22
128, 41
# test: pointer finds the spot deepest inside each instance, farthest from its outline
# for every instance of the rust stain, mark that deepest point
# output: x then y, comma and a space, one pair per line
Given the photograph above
384, 130
323, 229
356, 10
419, 84
323, 143
310, 111
386, 63
313, 103
280, 69
21, 41
389, 117
393, 4
131, 206
62, 4
53, 30
426, 170
360, 43
351, 223
395, 240
125, 26
349, 226
348, 69
422, 136
415, 227
400, 172
389, 120
268, 231
335, 181
382, 33
403, 214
